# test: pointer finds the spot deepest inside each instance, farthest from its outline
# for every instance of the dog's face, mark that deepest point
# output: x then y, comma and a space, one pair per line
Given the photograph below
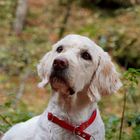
76, 62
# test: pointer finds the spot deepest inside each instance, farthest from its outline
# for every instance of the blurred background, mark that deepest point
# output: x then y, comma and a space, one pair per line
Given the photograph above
28, 28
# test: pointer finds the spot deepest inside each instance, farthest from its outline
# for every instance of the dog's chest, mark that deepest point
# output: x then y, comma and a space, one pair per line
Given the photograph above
54, 132
51, 131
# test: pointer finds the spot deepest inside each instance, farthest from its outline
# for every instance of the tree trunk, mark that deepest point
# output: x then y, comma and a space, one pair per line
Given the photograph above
21, 12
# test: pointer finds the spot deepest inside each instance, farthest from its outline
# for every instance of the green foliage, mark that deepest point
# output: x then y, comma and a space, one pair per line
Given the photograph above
116, 36
131, 81
132, 75
133, 122
90, 30
5, 7
136, 133
19, 55
112, 126
10, 115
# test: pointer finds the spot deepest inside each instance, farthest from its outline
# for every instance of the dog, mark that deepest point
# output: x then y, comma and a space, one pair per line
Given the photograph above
80, 73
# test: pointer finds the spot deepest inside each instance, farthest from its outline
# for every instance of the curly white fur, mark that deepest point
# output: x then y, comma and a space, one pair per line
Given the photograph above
76, 108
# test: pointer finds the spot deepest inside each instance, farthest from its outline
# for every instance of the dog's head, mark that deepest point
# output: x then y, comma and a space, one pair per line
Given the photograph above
76, 62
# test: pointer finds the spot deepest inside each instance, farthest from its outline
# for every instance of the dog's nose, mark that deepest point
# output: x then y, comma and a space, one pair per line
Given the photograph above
60, 64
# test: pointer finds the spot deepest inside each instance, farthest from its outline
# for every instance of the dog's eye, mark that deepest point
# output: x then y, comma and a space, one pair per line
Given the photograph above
59, 49
85, 55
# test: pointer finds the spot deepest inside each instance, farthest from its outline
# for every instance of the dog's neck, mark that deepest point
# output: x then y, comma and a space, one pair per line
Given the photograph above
76, 108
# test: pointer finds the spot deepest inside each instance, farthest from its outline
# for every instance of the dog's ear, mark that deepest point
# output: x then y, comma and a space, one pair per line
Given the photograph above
106, 79
42, 70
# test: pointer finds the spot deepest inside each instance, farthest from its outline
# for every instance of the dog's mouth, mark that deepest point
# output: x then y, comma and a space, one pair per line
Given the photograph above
60, 84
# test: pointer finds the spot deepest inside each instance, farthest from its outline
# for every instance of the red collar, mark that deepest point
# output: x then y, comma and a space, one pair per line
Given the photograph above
78, 130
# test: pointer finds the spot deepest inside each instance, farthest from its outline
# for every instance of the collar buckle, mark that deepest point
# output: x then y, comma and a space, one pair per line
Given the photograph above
77, 131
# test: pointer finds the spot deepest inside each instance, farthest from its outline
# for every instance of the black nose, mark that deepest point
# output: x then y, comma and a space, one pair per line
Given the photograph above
60, 64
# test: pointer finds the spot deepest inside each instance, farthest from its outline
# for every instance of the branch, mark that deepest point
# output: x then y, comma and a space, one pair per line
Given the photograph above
65, 20
21, 13
21, 87
5, 120
122, 118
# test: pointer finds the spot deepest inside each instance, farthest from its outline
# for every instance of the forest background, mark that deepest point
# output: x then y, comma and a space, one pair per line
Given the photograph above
28, 28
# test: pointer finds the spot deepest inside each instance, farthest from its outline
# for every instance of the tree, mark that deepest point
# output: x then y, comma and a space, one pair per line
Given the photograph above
21, 12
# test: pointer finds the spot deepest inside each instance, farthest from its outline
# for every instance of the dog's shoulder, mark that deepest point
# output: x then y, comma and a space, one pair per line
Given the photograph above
22, 131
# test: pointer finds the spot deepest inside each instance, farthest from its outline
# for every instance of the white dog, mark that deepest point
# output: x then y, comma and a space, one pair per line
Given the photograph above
79, 73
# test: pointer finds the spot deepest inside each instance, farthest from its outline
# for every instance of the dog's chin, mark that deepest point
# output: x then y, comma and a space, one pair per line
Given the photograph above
61, 85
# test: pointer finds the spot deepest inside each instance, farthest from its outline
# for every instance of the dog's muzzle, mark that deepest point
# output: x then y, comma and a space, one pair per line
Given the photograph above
59, 69
59, 76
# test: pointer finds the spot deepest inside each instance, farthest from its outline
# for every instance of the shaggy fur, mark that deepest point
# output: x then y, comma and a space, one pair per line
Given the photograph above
76, 90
